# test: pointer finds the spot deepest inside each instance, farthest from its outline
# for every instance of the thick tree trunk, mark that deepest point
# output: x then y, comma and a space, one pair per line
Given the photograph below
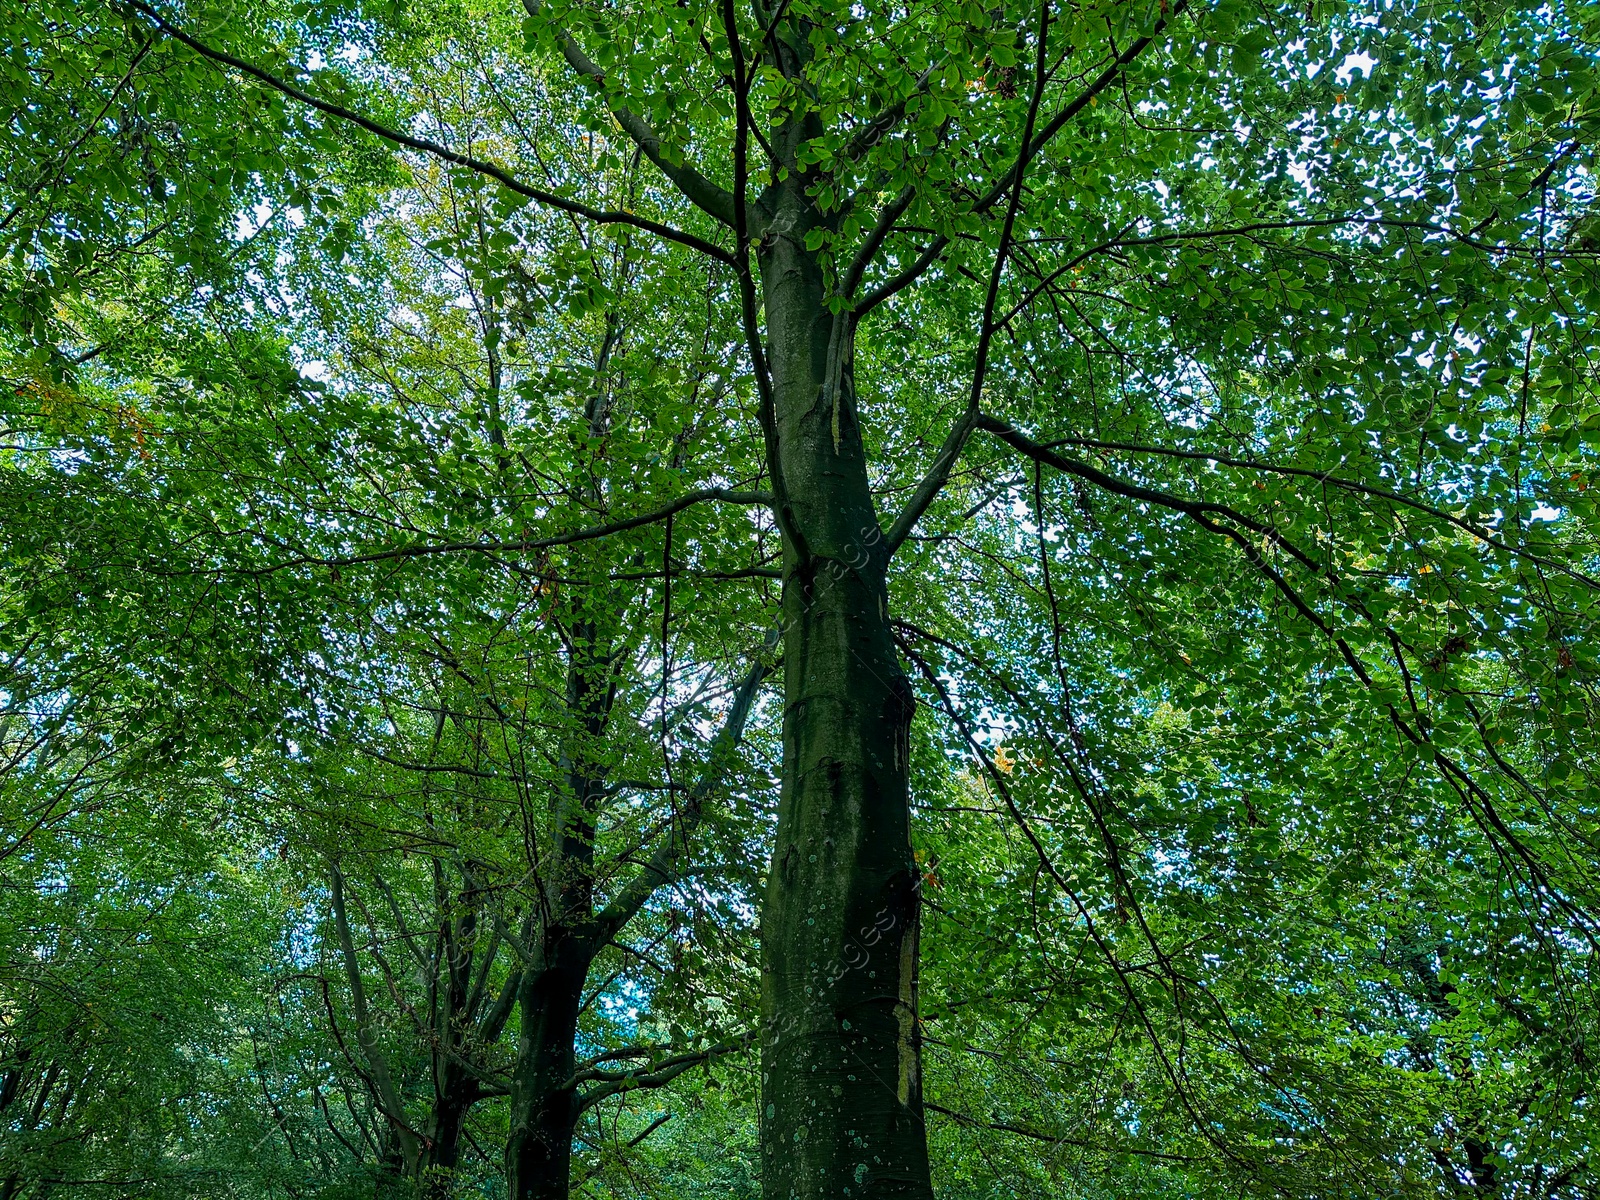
543, 1109
842, 1107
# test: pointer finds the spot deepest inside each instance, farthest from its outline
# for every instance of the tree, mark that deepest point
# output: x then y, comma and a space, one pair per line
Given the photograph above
1296, 299
374, 672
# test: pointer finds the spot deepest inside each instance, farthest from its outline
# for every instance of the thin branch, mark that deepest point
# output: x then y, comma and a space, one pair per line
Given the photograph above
1078, 103
61, 163
1133, 491
904, 279
1482, 533
939, 473
891, 213
1086, 97
1194, 235
1054, 1139
423, 145
610, 1083
1477, 801
869, 134
724, 495
749, 318
664, 863
387, 1095
649, 1129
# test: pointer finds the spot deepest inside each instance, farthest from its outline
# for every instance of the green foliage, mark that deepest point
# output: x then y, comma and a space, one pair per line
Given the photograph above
1253, 632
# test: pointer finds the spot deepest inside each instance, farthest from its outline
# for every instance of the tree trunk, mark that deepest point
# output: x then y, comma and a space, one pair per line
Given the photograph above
391, 1181
842, 1106
437, 1164
543, 1109
455, 1086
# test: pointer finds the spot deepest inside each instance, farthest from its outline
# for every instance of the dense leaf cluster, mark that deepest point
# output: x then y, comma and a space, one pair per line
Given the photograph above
411, 524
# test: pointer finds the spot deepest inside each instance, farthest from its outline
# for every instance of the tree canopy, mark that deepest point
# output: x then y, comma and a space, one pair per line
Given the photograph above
800, 600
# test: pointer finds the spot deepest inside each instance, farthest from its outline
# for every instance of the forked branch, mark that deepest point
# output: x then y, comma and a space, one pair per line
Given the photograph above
664, 864
1002, 186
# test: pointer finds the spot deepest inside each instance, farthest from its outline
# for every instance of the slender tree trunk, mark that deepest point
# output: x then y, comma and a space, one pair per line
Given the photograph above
543, 1109
10, 1089
455, 1087
437, 1165
390, 1182
842, 1106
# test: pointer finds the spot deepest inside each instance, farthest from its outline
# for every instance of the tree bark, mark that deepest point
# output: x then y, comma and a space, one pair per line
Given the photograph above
437, 1164
544, 1110
842, 1106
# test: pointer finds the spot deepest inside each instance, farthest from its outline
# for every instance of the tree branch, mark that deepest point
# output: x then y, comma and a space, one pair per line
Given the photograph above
62, 162
663, 865
610, 1083
1133, 491
869, 134
716, 202
1194, 235
724, 495
649, 1129
891, 213
939, 474
1084, 98
388, 1095
995, 194
1054, 1139
1482, 533
904, 279
1472, 794
750, 322
423, 145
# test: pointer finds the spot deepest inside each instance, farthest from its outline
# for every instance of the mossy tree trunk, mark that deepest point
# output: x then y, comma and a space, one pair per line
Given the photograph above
842, 1101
